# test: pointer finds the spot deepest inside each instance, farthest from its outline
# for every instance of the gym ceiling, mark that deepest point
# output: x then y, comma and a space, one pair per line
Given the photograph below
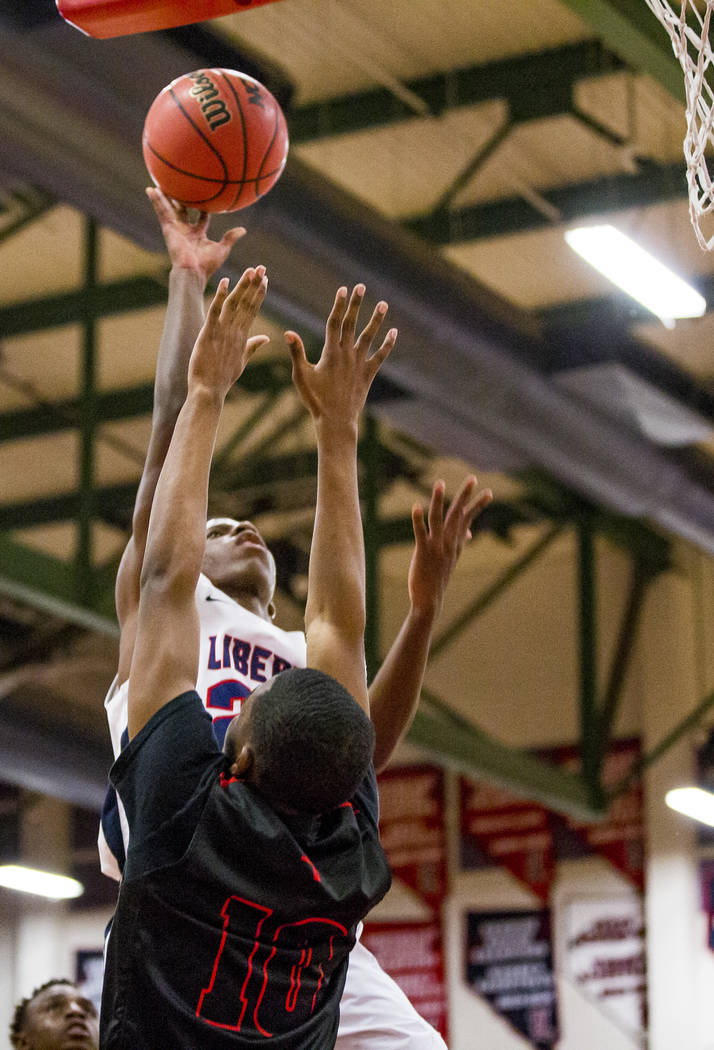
439, 149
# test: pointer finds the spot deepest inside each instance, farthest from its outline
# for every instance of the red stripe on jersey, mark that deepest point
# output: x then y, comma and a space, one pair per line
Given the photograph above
315, 872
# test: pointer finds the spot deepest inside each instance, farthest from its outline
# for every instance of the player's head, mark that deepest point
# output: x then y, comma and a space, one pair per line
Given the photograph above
303, 740
56, 1016
237, 560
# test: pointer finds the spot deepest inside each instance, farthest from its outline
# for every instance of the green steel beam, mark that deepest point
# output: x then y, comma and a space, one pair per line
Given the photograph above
535, 85
88, 423
653, 549
298, 465
398, 531
472, 752
629, 28
497, 587
392, 532
117, 499
50, 416
641, 577
283, 427
682, 728
49, 584
270, 471
499, 518
549, 498
652, 184
473, 166
598, 127
457, 742
590, 747
111, 499
223, 456
104, 300
35, 204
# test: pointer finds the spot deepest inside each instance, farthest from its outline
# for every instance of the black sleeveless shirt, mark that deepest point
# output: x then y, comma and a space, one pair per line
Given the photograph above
234, 922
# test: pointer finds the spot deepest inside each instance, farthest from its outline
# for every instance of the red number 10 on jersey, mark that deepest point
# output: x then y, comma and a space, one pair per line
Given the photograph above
284, 974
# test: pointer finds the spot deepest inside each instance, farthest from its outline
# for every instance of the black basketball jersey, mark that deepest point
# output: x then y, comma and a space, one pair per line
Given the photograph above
234, 923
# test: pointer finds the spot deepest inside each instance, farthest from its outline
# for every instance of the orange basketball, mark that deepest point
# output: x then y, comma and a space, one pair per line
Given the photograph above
215, 140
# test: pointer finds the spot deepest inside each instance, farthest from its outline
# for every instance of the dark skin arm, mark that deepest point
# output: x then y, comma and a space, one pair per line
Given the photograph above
394, 693
334, 392
164, 661
194, 259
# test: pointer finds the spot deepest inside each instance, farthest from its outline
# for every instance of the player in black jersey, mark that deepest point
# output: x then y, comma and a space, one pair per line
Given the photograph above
245, 880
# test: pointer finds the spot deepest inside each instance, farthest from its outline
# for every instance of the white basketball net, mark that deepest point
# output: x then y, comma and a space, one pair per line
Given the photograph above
692, 46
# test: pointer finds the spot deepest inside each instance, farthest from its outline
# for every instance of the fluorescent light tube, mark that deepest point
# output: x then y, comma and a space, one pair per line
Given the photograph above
41, 883
693, 802
637, 272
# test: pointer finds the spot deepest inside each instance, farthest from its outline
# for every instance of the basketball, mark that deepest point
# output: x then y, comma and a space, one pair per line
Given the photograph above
215, 140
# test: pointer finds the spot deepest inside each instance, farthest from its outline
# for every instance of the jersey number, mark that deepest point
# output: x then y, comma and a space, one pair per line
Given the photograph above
222, 697
283, 976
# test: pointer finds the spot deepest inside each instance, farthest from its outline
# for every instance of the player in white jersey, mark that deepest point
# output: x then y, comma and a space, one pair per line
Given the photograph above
241, 647
239, 650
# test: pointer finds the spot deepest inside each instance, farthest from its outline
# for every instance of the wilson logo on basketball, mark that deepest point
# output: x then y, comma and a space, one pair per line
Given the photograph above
212, 105
255, 98
215, 139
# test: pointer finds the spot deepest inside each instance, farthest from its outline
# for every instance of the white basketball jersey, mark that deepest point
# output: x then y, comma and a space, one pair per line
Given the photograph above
239, 650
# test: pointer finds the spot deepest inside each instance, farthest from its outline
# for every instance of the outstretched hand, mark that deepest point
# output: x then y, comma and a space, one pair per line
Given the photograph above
335, 389
188, 243
438, 549
223, 348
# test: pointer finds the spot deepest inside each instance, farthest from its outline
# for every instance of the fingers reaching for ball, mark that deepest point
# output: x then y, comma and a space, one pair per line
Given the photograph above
334, 390
186, 237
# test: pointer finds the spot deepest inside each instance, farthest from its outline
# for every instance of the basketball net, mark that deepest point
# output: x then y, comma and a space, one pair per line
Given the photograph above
693, 49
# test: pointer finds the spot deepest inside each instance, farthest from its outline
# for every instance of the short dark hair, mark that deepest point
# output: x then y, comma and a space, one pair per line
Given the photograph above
313, 742
17, 1025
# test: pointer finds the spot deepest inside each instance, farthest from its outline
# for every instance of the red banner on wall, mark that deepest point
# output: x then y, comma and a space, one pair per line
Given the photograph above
411, 827
412, 955
527, 839
510, 832
620, 837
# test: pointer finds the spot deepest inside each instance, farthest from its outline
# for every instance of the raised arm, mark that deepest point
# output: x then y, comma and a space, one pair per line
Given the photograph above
394, 693
165, 657
334, 392
194, 259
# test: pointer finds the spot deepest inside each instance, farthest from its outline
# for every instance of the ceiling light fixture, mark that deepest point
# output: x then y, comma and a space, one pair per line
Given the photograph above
637, 272
693, 802
41, 883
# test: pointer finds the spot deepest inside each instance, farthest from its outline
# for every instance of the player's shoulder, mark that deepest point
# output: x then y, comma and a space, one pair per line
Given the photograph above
366, 797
